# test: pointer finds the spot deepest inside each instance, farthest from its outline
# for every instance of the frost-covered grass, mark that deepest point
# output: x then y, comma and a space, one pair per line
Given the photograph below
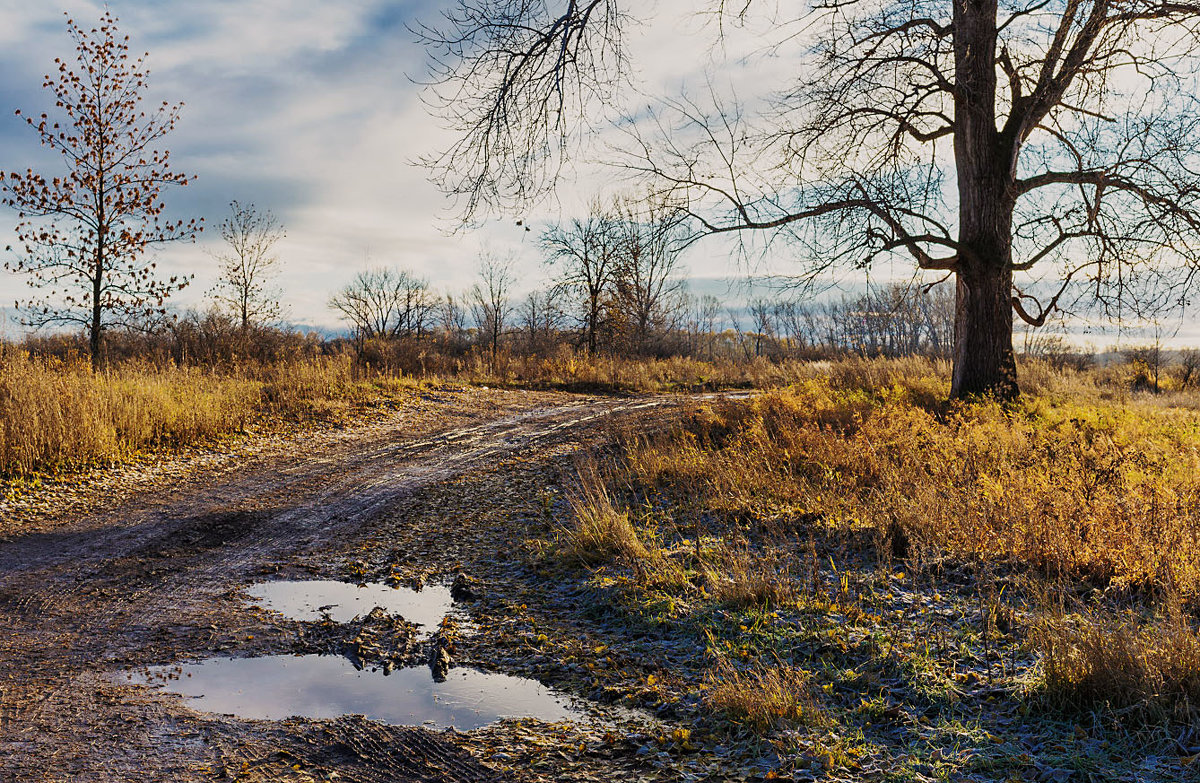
1018, 583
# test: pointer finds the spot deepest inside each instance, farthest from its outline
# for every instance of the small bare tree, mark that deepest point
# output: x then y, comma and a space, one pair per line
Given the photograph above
385, 303
587, 252
648, 235
1147, 361
541, 316
701, 322
248, 267
452, 320
765, 332
490, 303
83, 234
1189, 367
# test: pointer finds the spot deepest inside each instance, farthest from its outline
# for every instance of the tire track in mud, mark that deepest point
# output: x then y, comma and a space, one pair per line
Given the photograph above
83, 599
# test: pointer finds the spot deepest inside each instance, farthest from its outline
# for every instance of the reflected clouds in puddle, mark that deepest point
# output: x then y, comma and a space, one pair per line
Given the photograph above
318, 686
342, 601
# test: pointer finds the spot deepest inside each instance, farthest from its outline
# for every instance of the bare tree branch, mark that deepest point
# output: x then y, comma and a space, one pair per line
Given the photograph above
990, 138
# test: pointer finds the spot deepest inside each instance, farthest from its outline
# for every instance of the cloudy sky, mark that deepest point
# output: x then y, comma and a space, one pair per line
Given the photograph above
307, 108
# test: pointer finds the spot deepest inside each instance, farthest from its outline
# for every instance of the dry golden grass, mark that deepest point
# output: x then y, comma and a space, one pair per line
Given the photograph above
1111, 660
1080, 484
602, 531
598, 531
1075, 482
570, 370
60, 415
763, 698
1103, 489
740, 578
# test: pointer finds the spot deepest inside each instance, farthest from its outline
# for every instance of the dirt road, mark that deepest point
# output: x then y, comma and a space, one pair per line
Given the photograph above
152, 574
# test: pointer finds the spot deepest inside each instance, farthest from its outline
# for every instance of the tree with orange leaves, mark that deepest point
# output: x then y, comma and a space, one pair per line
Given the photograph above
83, 236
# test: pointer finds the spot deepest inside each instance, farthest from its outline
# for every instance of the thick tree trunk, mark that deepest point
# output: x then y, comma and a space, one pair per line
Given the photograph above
593, 317
985, 162
983, 315
983, 352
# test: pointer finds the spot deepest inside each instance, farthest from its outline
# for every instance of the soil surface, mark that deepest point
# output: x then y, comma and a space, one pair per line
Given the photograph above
148, 565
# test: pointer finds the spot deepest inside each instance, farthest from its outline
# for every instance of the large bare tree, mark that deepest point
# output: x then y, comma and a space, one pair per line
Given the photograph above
1036, 151
84, 233
385, 303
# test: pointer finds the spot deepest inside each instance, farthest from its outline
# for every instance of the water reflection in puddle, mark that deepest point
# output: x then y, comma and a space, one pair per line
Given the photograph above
319, 686
309, 600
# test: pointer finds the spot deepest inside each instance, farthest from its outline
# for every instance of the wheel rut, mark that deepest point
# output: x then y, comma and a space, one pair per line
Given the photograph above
96, 593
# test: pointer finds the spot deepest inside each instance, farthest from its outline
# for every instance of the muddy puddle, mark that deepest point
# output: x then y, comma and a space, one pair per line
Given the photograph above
321, 686
342, 601
275, 687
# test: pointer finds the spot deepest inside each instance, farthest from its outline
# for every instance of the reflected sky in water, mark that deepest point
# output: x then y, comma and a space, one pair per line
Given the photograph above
305, 600
317, 686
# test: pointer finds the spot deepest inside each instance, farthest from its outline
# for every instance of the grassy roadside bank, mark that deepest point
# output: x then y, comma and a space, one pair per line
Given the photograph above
888, 585
60, 417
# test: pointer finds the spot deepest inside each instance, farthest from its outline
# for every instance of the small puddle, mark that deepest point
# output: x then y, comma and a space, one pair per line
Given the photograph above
322, 686
342, 601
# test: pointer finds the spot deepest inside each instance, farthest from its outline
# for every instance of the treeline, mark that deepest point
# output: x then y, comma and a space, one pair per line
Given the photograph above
892, 321
400, 323
614, 288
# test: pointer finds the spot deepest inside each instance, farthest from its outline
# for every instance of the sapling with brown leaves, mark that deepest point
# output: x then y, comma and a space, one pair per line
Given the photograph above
83, 234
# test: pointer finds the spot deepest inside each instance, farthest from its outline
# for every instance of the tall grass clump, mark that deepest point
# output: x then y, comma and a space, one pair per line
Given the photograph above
61, 414
598, 532
741, 578
763, 698
1112, 660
